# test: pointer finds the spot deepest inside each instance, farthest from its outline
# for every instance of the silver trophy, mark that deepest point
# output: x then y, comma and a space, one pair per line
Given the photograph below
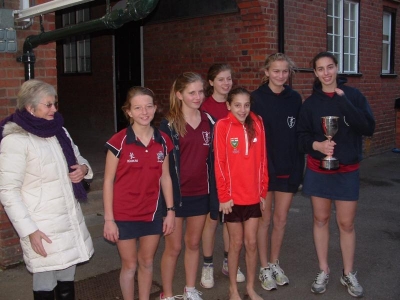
330, 127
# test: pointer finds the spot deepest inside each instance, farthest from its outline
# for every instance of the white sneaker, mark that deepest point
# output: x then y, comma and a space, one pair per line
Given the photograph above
267, 281
320, 283
353, 286
239, 276
207, 276
278, 274
192, 295
166, 298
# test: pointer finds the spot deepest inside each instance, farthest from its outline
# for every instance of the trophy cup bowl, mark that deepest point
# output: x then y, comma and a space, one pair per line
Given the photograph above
330, 127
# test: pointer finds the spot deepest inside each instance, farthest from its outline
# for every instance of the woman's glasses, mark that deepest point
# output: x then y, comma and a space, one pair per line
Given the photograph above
49, 105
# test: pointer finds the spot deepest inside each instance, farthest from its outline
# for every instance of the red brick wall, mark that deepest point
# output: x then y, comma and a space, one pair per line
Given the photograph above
11, 78
244, 39
193, 45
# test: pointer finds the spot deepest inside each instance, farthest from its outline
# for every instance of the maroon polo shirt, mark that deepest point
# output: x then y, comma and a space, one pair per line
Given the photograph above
194, 148
217, 109
137, 188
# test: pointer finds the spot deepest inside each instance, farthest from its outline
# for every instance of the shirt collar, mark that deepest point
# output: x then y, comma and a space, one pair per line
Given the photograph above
131, 137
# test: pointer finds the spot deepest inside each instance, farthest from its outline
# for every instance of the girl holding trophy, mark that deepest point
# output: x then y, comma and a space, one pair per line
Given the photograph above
332, 121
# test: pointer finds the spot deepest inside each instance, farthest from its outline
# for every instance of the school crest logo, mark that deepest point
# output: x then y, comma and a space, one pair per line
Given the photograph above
291, 121
344, 120
206, 137
235, 143
160, 157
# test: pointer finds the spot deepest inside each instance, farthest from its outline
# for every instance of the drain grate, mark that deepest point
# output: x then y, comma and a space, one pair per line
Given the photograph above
106, 287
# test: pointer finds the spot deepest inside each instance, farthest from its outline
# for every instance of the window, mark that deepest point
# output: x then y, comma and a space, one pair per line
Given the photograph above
388, 42
76, 49
343, 22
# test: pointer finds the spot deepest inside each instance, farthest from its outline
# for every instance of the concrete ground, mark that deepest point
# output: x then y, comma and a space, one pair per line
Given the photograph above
377, 254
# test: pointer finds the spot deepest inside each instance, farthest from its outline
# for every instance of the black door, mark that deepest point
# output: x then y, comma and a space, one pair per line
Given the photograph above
127, 65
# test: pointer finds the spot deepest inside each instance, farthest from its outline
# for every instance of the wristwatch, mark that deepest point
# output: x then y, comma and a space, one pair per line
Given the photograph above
171, 208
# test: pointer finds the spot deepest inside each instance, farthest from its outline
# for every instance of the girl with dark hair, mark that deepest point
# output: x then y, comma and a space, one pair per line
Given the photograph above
331, 97
278, 105
137, 167
242, 182
192, 172
219, 84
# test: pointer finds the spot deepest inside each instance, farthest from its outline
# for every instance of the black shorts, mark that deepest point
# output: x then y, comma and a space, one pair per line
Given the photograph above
136, 229
193, 206
241, 213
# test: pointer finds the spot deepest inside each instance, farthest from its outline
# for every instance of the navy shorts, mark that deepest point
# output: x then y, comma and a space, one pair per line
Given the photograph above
193, 206
337, 186
136, 229
241, 213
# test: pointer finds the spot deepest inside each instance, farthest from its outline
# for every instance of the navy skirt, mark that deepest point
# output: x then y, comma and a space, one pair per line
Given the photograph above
136, 229
337, 186
193, 206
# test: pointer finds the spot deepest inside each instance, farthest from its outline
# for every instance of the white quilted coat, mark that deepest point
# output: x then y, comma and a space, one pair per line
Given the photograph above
37, 193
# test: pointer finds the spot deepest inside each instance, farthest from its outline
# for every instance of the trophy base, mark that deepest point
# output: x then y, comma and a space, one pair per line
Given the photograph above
330, 163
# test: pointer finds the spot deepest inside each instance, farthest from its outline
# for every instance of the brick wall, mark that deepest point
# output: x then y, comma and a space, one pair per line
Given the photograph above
193, 45
11, 78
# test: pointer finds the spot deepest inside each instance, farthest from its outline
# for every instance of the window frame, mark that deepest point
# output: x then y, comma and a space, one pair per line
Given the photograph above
391, 43
343, 33
76, 49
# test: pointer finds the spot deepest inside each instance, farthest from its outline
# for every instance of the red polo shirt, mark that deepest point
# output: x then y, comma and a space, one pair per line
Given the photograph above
137, 180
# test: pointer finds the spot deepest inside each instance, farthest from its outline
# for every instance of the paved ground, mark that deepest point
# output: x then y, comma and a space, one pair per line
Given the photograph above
377, 255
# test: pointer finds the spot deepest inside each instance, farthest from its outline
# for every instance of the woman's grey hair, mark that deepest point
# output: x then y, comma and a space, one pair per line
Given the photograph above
32, 92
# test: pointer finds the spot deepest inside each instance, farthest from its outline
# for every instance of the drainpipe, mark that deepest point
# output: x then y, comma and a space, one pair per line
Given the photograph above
135, 10
281, 26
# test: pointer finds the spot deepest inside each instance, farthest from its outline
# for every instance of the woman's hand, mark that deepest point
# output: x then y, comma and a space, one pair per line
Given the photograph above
326, 147
36, 242
226, 207
111, 232
339, 92
78, 173
169, 223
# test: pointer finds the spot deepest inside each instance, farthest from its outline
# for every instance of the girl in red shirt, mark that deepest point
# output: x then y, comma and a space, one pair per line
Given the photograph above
242, 182
136, 165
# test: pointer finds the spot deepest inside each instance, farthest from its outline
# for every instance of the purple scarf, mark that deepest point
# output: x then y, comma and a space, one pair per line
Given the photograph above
48, 128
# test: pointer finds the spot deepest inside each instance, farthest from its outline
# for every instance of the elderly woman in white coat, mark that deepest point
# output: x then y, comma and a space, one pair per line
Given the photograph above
41, 171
